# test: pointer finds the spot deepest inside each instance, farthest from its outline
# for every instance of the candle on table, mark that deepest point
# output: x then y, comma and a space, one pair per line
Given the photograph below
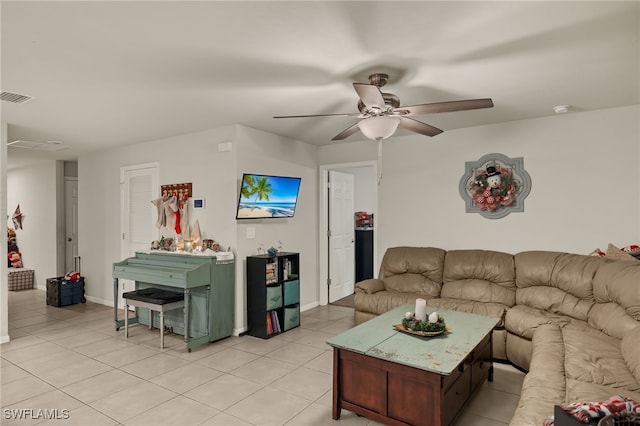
421, 309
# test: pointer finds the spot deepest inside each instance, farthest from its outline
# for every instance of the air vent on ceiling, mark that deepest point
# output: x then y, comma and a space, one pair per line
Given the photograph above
48, 146
15, 97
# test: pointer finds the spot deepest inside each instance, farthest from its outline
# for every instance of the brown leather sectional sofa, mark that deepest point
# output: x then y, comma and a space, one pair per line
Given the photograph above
571, 321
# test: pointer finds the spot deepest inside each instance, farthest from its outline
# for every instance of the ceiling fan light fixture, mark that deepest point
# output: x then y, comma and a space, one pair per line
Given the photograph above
378, 128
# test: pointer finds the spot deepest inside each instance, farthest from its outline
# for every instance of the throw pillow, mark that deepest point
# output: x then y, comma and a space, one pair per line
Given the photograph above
598, 253
614, 252
633, 250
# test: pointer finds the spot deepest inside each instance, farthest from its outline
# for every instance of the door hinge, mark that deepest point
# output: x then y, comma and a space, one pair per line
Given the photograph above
123, 235
329, 233
328, 282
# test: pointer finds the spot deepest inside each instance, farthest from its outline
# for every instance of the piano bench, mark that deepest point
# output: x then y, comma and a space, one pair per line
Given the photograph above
154, 299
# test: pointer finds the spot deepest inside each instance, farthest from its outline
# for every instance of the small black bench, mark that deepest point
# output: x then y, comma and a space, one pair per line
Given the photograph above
154, 299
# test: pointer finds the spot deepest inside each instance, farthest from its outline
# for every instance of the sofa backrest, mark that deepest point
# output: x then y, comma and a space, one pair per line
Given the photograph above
561, 283
480, 275
413, 270
616, 290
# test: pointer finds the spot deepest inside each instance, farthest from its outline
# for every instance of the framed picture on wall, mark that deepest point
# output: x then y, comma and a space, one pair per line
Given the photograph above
495, 186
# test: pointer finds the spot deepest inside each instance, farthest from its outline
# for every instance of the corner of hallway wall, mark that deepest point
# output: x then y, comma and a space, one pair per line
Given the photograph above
34, 188
4, 292
60, 219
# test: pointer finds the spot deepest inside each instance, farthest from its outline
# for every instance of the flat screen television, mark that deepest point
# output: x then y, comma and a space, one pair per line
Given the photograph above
266, 197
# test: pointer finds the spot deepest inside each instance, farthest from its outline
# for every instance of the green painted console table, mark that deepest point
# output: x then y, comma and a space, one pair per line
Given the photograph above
208, 285
401, 379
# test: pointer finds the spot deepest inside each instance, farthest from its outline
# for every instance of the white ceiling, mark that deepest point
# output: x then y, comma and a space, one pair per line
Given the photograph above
104, 74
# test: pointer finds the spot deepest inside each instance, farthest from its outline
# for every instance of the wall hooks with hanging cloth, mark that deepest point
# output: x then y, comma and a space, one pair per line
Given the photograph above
182, 191
172, 206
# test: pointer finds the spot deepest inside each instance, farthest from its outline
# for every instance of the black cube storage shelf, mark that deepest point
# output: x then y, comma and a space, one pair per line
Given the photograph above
273, 294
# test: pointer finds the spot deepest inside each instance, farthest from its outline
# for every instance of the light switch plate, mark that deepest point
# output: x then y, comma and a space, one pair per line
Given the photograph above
251, 232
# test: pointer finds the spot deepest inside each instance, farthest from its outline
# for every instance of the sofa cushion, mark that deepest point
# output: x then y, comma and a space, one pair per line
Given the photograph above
480, 275
630, 347
554, 301
616, 290
572, 273
523, 320
416, 270
560, 283
382, 301
370, 286
573, 363
497, 310
594, 365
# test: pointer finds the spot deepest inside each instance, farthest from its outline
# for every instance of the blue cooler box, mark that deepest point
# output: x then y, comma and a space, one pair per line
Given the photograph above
61, 292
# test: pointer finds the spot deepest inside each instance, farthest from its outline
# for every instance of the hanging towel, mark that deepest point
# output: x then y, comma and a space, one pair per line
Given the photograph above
162, 218
184, 217
170, 217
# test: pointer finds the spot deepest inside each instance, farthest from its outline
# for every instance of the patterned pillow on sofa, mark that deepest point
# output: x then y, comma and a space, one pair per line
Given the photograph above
633, 250
614, 252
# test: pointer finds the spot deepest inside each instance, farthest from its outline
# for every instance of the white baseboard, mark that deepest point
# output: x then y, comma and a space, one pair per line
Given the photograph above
309, 306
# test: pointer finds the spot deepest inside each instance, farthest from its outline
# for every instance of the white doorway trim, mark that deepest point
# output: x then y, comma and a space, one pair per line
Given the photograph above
152, 170
134, 216
342, 253
70, 222
323, 222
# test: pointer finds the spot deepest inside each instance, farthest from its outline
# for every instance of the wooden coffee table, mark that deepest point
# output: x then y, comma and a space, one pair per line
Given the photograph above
401, 379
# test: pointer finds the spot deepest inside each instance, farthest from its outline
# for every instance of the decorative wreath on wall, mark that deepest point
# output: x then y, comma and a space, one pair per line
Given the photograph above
495, 185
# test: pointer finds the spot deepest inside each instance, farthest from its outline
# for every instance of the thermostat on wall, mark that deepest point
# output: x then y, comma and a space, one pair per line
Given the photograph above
198, 203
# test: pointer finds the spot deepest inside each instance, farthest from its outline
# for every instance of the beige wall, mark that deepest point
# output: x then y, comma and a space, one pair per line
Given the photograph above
34, 188
584, 167
261, 152
585, 184
189, 158
215, 176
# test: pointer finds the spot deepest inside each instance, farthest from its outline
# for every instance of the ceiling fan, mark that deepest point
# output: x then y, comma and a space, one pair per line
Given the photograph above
382, 114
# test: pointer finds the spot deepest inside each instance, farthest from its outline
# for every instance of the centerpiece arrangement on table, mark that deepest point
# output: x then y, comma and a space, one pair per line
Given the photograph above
421, 324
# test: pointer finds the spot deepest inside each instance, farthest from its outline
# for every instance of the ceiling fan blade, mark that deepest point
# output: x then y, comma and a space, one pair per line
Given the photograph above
418, 127
355, 114
450, 106
370, 95
346, 133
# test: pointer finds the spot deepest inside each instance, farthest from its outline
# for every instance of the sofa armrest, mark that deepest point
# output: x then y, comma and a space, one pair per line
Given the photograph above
370, 286
545, 385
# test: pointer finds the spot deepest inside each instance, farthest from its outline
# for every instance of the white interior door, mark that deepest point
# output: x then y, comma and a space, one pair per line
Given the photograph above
138, 187
341, 235
71, 222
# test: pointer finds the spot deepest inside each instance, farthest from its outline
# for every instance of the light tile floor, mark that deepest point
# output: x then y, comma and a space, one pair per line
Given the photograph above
71, 361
